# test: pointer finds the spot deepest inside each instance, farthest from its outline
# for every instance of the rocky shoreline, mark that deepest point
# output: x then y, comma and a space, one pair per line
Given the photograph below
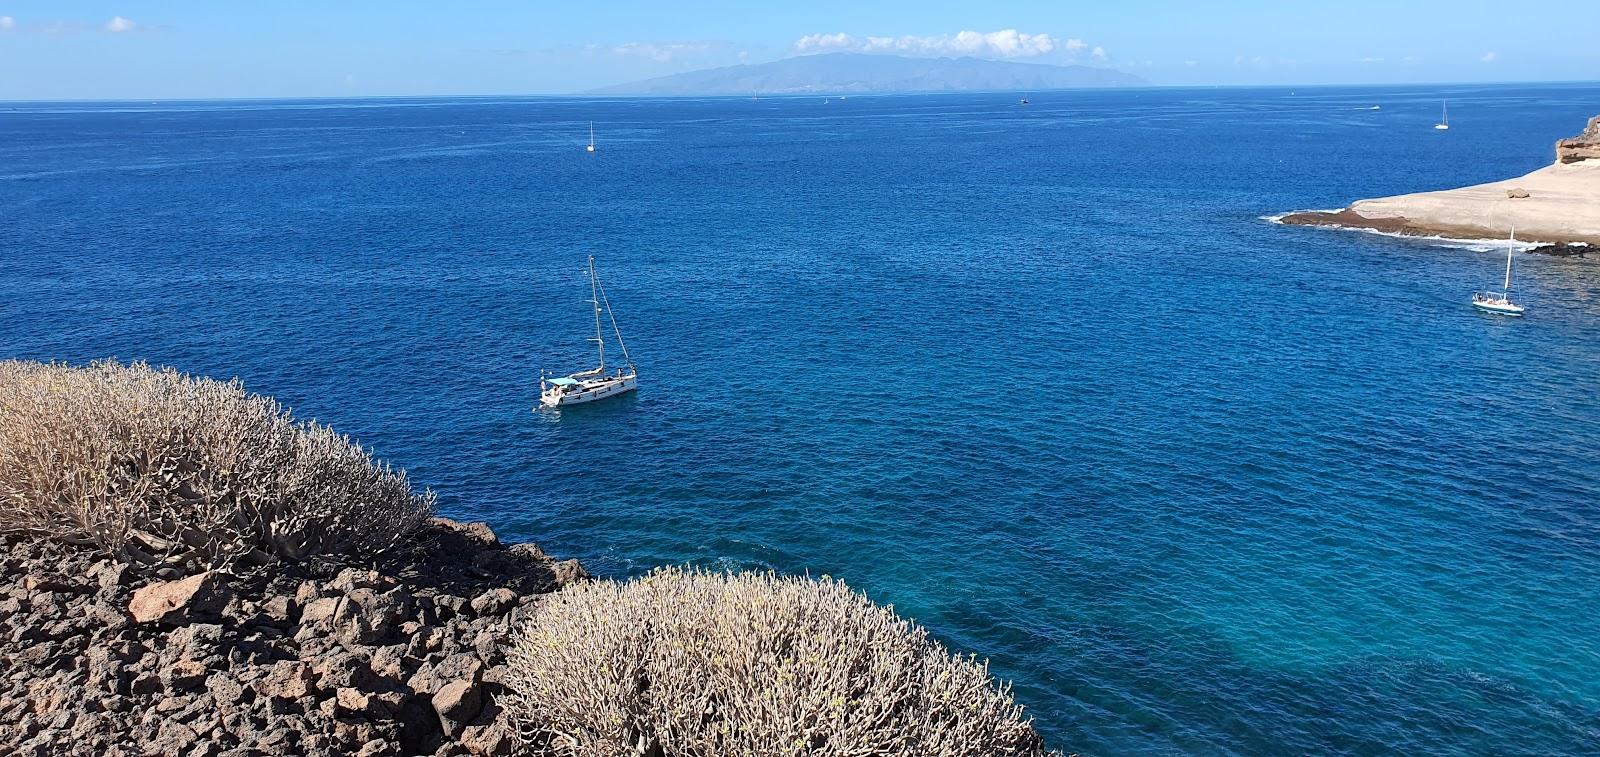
1349, 219
404, 655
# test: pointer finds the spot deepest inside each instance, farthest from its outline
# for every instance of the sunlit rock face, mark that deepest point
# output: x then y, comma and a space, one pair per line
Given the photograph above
1585, 146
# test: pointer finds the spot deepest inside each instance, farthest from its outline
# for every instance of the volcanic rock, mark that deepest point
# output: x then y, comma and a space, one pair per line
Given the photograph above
457, 704
194, 598
390, 657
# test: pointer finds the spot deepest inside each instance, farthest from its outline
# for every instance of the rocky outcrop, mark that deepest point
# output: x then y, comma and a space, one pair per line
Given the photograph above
1556, 207
403, 656
1585, 146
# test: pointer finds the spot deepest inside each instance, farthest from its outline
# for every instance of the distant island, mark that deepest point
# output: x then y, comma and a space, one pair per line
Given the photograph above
1558, 205
859, 73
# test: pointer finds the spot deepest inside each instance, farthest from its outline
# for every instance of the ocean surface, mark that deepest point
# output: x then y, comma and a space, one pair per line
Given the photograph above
1040, 376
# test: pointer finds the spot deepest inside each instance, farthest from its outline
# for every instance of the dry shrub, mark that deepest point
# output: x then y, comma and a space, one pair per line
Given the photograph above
684, 662
155, 465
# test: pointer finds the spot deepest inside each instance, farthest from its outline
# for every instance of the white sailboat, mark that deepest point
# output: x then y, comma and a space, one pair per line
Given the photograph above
595, 383
590, 148
1444, 124
1500, 302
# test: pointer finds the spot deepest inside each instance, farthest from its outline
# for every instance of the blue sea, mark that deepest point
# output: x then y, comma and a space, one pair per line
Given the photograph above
1040, 376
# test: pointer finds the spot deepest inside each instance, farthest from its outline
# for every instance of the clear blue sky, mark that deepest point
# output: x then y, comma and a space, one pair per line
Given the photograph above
218, 48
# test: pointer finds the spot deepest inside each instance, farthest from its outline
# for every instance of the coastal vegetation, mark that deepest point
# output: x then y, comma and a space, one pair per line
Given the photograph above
693, 662
156, 466
187, 569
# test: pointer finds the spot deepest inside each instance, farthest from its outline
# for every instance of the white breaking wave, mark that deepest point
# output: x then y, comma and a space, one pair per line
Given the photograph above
1476, 245
1278, 217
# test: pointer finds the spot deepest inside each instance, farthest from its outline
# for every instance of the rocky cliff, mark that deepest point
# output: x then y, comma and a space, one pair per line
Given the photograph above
1585, 146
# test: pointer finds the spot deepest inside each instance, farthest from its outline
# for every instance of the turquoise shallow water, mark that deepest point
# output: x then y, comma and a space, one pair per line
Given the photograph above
1039, 376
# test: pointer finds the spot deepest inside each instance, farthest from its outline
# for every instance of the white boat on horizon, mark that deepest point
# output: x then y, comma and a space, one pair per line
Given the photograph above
1500, 302
591, 137
595, 383
1444, 124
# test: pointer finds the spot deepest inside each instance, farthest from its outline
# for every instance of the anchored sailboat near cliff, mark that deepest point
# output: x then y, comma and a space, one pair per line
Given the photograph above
593, 384
1500, 302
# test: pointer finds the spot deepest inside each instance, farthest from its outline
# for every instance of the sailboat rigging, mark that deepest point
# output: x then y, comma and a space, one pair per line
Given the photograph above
1444, 124
595, 383
591, 137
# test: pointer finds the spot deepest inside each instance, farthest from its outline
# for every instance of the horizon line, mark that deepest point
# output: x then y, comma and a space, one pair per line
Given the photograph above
586, 95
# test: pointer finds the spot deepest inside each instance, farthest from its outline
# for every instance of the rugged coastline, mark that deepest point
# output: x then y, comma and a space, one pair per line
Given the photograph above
404, 655
1556, 208
188, 569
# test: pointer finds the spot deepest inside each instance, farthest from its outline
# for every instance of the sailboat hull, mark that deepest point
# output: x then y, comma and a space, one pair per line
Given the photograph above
1500, 308
588, 391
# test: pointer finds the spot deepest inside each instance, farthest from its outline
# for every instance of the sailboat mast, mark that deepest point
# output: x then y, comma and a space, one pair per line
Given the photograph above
594, 299
591, 134
1512, 246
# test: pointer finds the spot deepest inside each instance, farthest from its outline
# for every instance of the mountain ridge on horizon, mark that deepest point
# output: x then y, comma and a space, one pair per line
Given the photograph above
863, 73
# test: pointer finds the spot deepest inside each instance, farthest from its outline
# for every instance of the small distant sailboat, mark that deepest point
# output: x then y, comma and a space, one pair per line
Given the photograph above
1500, 302
590, 148
1024, 101
593, 384
1444, 124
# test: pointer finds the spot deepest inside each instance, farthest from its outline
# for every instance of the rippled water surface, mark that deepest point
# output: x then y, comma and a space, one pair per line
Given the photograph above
1038, 376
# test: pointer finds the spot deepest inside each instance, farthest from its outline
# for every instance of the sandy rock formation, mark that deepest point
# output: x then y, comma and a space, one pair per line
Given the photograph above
1557, 206
1585, 146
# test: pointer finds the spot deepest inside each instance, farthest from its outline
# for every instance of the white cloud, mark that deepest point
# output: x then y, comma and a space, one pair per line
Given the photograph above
1489, 57
820, 42
119, 24
1006, 43
1099, 53
1369, 60
1075, 45
660, 52
7, 23
1191, 63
